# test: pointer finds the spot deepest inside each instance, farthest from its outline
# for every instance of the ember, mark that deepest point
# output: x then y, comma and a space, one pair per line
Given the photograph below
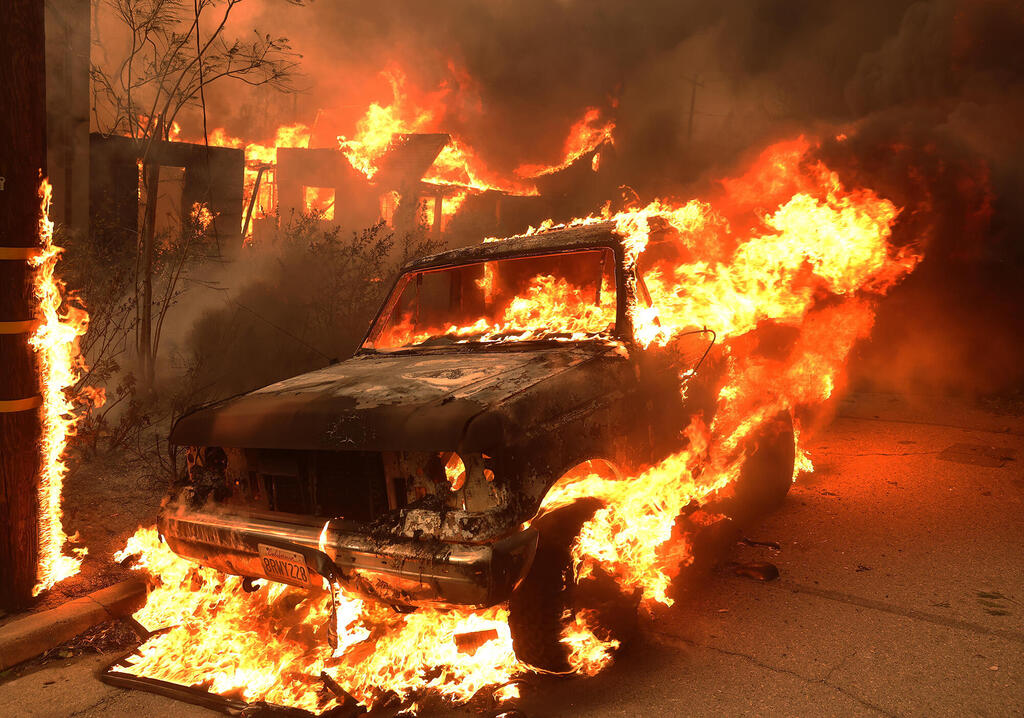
785, 246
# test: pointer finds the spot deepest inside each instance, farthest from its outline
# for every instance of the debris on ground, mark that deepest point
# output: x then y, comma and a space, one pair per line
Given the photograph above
765, 544
757, 570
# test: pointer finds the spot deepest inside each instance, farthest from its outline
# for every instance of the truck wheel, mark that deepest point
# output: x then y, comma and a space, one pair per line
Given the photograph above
767, 472
537, 606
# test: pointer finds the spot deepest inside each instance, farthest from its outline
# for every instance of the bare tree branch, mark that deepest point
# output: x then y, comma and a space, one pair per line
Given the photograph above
170, 64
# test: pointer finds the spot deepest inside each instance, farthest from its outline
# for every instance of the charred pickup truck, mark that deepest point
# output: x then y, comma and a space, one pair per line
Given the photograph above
413, 472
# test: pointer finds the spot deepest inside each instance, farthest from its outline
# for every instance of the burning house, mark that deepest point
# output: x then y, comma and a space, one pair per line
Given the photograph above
324, 182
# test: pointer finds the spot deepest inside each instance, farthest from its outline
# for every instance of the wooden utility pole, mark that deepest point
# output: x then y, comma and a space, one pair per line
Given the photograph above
22, 158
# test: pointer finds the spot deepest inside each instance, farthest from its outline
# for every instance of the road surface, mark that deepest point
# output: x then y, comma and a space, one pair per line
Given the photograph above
901, 594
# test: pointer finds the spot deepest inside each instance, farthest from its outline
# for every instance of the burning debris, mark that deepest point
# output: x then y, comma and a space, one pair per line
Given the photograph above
749, 303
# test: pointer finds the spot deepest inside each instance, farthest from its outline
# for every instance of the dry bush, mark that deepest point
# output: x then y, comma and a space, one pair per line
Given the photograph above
311, 306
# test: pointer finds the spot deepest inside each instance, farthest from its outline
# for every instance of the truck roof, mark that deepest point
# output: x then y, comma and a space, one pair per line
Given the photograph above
599, 234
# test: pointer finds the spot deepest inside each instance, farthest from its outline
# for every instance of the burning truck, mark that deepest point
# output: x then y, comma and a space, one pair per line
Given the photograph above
414, 472
538, 435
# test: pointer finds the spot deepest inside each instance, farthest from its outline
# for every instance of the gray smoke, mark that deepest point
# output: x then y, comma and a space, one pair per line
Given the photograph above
931, 94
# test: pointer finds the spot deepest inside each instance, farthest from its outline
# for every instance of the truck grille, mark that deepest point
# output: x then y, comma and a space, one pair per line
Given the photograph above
350, 484
327, 484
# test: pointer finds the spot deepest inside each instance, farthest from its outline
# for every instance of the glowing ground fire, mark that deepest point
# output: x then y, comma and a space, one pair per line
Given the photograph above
785, 244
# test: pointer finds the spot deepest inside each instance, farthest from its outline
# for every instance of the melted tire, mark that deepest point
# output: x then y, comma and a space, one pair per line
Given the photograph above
767, 473
549, 591
535, 613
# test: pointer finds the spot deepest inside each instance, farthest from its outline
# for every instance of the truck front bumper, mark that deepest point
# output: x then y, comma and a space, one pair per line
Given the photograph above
395, 570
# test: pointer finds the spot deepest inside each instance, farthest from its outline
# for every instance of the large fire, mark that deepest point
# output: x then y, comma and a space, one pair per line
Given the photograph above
55, 342
784, 245
585, 136
458, 169
244, 643
261, 164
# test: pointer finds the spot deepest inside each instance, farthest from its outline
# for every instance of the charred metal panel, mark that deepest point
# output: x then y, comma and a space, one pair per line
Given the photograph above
416, 402
573, 239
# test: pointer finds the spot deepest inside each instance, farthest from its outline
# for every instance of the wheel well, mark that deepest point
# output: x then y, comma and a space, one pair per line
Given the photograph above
568, 487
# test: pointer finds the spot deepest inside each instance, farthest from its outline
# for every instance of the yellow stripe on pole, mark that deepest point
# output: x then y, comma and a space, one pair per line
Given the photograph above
24, 327
14, 405
19, 253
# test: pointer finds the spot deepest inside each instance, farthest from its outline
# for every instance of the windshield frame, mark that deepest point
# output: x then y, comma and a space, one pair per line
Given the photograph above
623, 325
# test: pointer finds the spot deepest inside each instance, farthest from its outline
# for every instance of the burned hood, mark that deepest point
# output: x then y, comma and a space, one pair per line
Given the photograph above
378, 401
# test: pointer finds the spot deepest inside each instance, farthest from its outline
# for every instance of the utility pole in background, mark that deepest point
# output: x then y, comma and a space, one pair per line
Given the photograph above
694, 84
22, 159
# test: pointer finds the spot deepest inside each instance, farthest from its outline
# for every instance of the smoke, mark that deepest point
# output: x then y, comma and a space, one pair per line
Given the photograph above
930, 95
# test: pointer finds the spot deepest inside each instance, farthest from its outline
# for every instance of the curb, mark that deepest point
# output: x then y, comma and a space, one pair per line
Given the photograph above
27, 637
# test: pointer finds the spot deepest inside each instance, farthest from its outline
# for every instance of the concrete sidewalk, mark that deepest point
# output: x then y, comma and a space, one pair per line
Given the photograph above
32, 634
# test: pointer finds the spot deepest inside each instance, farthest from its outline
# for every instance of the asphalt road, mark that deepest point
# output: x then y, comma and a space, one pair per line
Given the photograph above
901, 593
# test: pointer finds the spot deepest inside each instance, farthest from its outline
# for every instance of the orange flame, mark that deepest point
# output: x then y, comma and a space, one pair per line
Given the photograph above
55, 342
586, 135
262, 155
822, 242
815, 264
280, 632
378, 128
319, 201
382, 125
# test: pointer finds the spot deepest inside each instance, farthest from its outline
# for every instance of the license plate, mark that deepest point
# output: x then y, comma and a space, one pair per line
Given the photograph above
283, 565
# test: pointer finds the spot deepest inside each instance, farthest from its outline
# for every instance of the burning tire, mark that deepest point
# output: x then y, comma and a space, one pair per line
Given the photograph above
767, 473
550, 592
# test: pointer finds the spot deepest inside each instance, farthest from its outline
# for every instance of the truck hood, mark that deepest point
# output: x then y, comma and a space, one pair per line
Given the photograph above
420, 401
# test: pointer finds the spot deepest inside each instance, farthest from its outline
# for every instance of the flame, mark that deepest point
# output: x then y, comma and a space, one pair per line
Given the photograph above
319, 201
449, 206
55, 342
144, 123
784, 246
262, 155
201, 216
588, 654
280, 632
459, 165
383, 126
549, 307
455, 472
585, 136
817, 264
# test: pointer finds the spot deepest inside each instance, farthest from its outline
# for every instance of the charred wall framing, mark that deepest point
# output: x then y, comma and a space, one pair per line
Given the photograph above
213, 176
357, 200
